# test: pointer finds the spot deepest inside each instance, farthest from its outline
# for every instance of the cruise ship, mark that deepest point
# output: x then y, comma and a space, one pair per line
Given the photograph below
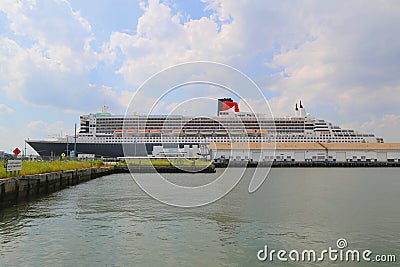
105, 135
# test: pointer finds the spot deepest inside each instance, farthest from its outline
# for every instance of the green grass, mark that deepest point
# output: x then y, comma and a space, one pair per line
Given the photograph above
37, 167
165, 162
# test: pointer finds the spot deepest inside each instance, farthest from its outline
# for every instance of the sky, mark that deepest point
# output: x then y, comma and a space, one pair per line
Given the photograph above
63, 58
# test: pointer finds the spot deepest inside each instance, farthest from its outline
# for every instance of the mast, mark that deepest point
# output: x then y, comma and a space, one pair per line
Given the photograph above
75, 143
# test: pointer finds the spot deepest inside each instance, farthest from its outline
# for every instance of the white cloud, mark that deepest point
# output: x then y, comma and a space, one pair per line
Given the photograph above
48, 22
325, 52
48, 60
256, 106
40, 129
162, 40
139, 103
125, 98
387, 126
4, 109
348, 65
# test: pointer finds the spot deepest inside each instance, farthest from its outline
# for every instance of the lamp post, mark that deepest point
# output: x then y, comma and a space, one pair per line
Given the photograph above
75, 142
67, 146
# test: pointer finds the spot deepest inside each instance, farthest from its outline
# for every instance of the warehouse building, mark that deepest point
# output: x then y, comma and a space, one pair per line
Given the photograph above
304, 152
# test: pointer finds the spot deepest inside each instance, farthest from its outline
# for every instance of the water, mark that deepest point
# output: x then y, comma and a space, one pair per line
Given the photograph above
110, 221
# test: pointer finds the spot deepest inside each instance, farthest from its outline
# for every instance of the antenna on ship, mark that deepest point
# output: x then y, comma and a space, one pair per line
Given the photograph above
75, 154
104, 109
302, 111
296, 111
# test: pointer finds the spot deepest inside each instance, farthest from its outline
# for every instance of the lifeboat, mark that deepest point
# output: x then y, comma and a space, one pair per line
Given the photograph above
236, 132
206, 132
191, 132
220, 132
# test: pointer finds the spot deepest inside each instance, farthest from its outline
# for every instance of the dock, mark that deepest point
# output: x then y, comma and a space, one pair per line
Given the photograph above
311, 164
166, 169
22, 188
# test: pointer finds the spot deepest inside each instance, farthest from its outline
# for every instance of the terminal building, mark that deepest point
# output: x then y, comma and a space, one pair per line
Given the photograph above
306, 152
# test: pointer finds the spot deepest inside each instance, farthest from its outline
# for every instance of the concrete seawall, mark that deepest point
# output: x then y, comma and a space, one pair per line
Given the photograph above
314, 164
29, 186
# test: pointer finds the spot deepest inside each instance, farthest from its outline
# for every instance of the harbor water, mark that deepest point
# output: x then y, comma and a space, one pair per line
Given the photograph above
110, 221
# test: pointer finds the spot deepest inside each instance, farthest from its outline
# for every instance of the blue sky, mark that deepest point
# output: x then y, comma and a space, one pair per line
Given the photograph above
60, 58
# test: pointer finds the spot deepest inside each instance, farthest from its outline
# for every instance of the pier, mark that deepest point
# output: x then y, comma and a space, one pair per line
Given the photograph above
165, 169
14, 189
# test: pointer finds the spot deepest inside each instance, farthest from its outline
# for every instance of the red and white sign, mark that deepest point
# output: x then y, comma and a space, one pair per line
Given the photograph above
16, 151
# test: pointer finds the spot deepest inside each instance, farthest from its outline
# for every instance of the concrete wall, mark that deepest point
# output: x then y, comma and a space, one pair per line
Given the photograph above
367, 155
393, 155
13, 189
187, 150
